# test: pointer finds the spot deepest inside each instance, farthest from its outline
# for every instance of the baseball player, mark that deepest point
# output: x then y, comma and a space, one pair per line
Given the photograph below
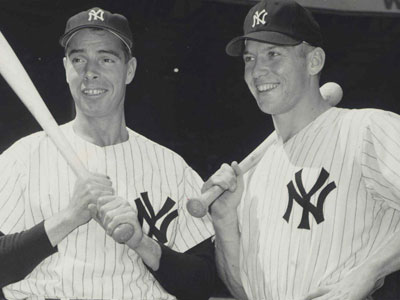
319, 216
45, 209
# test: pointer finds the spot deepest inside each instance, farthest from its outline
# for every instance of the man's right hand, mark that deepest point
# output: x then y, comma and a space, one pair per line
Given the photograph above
87, 192
77, 213
230, 179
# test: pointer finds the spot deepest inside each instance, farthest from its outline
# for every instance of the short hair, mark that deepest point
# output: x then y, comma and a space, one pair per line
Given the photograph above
126, 51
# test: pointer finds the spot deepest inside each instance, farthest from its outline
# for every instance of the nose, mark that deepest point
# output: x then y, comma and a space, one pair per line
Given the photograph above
260, 68
91, 72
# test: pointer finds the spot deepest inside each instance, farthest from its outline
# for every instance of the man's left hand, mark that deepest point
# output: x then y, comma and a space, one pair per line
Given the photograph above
113, 211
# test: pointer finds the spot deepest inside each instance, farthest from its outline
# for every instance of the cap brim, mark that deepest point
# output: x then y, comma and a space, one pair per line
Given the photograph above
66, 36
236, 46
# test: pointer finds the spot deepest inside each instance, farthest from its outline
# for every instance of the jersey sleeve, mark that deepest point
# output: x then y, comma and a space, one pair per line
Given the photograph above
380, 157
12, 185
190, 230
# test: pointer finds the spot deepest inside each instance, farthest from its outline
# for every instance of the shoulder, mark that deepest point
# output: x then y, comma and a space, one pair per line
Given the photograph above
150, 148
361, 119
23, 148
377, 121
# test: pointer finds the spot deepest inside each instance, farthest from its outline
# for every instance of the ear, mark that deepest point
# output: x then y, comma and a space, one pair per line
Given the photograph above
316, 60
65, 67
131, 70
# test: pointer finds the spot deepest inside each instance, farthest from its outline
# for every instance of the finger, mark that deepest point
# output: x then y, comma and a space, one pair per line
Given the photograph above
93, 210
101, 178
235, 166
104, 199
215, 178
106, 193
93, 187
128, 217
108, 211
102, 187
239, 174
225, 178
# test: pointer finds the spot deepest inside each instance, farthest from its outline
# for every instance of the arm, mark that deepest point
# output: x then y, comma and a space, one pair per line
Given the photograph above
227, 254
194, 272
226, 225
21, 252
377, 156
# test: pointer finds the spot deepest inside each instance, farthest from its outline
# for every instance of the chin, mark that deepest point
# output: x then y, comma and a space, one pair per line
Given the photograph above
265, 106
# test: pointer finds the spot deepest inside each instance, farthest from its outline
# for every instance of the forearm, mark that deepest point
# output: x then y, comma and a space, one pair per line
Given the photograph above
149, 251
21, 252
227, 255
60, 225
190, 275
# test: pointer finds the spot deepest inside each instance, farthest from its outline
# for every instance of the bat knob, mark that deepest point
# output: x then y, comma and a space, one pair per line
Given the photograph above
123, 233
196, 208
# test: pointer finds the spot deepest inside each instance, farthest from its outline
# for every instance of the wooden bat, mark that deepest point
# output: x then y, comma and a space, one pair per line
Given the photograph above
198, 207
16, 76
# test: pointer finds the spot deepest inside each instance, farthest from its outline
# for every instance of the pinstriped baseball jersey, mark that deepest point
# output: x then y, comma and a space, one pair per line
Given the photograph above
36, 182
317, 205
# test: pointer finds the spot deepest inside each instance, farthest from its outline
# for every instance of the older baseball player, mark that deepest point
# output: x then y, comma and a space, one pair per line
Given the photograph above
319, 216
45, 210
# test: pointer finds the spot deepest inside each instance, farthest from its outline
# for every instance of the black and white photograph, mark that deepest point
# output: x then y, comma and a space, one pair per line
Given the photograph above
199, 149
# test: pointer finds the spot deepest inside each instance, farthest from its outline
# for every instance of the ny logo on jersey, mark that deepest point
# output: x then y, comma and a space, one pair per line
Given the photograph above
259, 17
96, 15
151, 218
303, 199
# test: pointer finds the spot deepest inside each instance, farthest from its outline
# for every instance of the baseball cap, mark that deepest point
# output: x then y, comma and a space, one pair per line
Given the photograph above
98, 18
280, 22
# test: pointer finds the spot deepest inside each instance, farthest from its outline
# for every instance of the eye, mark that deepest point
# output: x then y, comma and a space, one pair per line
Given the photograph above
273, 53
247, 58
77, 60
108, 60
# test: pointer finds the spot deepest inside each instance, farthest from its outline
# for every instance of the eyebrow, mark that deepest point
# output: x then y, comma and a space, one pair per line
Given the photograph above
112, 52
267, 48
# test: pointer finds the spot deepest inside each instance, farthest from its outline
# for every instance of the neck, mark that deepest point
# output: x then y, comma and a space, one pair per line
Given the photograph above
104, 131
307, 109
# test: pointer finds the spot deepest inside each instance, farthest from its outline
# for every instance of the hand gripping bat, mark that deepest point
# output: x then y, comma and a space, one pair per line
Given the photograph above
16, 76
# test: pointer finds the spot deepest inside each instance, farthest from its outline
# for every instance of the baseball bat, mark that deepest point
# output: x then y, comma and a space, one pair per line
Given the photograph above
198, 207
16, 76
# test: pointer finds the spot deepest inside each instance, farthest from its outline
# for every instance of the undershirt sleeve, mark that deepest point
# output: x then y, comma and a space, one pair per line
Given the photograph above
21, 252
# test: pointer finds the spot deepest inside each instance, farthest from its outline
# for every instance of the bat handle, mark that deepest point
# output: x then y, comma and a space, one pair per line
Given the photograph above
198, 207
123, 233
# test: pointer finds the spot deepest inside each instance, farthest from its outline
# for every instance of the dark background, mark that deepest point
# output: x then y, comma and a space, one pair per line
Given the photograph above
204, 111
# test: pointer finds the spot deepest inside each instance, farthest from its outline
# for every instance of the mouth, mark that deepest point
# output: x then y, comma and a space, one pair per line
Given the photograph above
93, 92
266, 87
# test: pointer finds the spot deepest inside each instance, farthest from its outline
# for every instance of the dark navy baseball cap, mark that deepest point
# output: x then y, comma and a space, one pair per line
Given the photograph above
98, 18
279, 22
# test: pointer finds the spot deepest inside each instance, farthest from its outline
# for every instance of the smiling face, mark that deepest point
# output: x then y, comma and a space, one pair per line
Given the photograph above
277, 76
97, 72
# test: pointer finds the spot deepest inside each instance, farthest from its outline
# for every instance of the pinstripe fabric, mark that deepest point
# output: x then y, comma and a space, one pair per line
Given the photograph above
36, 182
360, 150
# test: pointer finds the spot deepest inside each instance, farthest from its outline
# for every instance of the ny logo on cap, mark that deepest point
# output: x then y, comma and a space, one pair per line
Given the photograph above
96, 15
259, 17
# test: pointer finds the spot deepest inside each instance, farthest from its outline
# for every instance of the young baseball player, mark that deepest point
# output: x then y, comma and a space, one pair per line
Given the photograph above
319, 216
45, 209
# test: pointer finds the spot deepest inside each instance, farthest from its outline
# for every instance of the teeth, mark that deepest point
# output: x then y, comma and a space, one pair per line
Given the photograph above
93, 91
266, 87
